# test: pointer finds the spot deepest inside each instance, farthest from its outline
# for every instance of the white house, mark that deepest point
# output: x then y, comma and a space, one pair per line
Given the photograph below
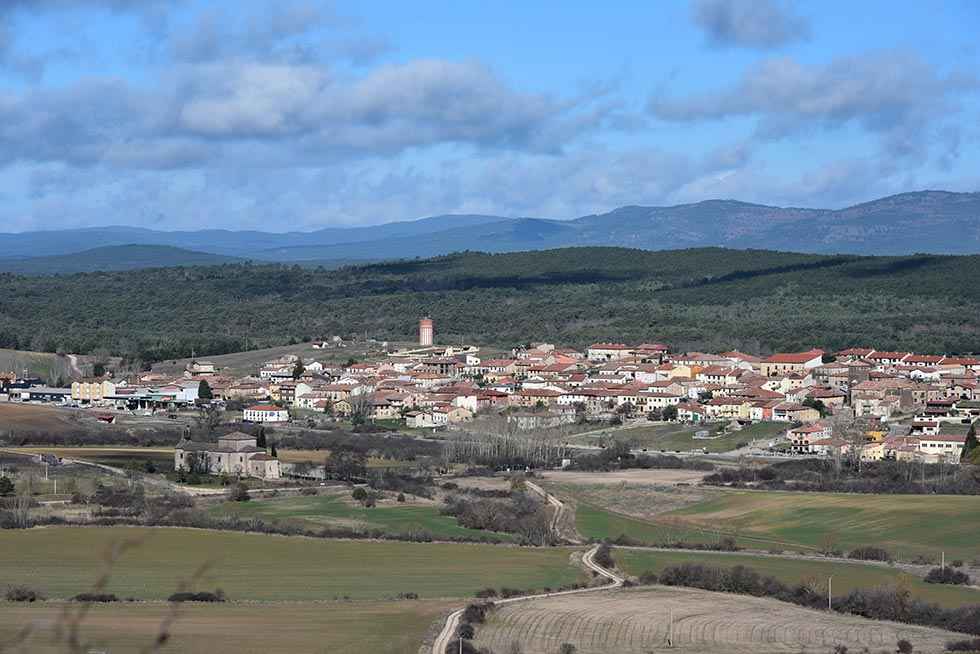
265, 413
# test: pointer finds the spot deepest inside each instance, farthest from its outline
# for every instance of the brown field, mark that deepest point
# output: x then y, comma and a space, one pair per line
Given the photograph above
33, 417
644, 477
245, 628
636, 620
319, 456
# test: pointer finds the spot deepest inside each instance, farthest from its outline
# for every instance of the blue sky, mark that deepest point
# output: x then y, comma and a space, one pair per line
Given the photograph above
296, 114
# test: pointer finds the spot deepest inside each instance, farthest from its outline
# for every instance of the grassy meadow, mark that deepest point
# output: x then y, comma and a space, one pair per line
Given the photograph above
245, 628
906, 525
333, 509
595, 523
678, 437
64, 561
847, 576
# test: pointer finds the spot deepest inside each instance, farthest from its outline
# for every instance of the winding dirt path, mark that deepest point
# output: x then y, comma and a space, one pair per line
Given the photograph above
452, 621
561, 511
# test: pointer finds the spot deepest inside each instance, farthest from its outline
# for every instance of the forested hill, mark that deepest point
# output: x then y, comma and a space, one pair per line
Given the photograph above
117, 257
708, 298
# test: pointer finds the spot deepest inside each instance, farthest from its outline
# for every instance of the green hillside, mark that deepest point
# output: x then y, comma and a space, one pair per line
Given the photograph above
708, 298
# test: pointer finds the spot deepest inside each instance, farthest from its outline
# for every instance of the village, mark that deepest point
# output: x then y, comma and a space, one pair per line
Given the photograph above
861, 402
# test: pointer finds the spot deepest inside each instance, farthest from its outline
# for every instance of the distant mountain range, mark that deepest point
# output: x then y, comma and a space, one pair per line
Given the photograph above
114, 257
927, 221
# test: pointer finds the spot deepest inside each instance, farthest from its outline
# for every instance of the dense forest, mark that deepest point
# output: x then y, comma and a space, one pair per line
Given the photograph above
707, 298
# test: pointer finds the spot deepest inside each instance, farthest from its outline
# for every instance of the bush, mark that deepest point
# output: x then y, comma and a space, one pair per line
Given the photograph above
95, 597
972, 645
401, 497
486, 592
904, 647
947, 576
239, 493
359, 494
566, 648
870, 554
893, 604
603, 557
463, 646
308, 491
23, 594
465, 631
476, 613
217, 596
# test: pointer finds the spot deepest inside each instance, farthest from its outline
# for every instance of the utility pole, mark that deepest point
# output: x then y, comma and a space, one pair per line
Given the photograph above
670, 627
943, 565
830, 592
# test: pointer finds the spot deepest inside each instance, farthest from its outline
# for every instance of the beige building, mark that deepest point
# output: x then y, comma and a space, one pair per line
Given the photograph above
87, 391
235, 454
785, 363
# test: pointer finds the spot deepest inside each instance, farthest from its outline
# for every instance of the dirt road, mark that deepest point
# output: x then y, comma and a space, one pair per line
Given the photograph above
448, 632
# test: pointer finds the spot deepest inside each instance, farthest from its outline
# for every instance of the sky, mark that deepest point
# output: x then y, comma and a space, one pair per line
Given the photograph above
299, 114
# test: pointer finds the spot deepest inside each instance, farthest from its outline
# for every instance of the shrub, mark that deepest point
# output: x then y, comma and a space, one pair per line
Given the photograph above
239, 493
95, 597
566, 648
462, 646
217, 596
308, 491
972, 645
947, 576
648, 578
465, 631
476, 613
957, 563
401, 497
359, 494
870, 554
904, 647
603, 556
23, 594
486, 592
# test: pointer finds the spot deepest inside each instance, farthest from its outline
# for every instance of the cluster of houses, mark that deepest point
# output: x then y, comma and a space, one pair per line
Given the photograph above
921, 406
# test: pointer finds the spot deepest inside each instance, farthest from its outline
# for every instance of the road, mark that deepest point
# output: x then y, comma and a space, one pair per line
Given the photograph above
448, 632
560, 511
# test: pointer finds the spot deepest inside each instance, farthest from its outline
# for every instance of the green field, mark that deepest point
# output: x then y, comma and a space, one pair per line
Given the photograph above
906, 525
679, 437
597, 524
317, 511
847, 576
247, 628
64, 561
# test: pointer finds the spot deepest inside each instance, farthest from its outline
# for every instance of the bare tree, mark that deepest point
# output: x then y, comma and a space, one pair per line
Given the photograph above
209, 418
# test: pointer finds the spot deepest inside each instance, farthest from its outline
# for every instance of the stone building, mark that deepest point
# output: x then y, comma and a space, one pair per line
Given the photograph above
234, 454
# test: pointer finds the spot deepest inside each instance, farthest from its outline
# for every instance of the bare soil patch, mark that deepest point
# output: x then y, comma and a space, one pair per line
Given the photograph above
644, 477
636, 620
